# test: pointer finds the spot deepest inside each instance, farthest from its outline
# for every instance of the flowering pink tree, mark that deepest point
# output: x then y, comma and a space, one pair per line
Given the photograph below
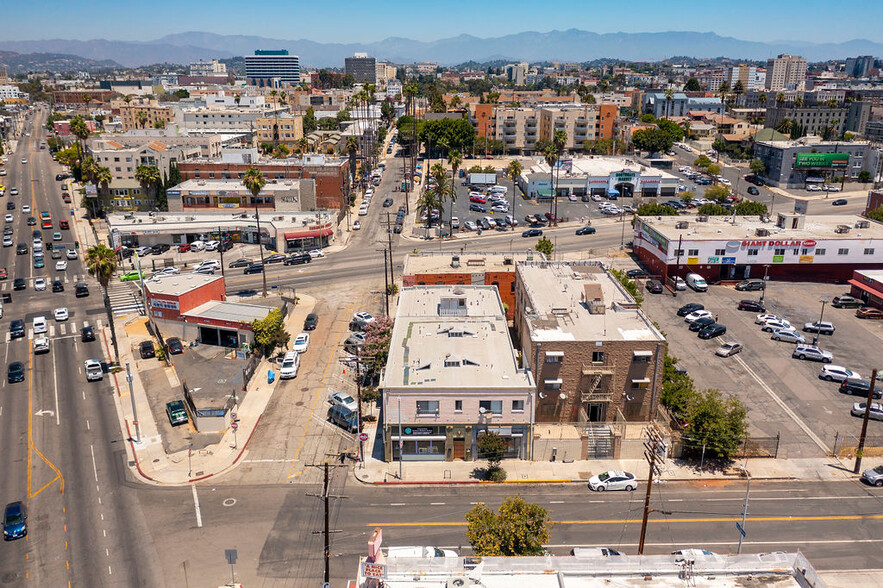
375, 350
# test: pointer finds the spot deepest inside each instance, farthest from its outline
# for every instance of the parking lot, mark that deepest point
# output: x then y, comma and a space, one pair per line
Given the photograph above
783, 395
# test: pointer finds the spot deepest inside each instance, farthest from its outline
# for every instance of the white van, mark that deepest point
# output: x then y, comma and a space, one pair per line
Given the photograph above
290, 365
697, 282
197, 246
419, 552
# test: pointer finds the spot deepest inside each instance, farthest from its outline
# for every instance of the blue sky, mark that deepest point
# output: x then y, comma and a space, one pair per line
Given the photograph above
349, 21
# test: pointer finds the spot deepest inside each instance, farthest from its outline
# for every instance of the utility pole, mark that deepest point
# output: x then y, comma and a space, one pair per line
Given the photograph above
129, 379
327, 531
385, 281
389, 248
815, 340
744, 513
654, 451
257, 217
359, 386
861, 440
221, 249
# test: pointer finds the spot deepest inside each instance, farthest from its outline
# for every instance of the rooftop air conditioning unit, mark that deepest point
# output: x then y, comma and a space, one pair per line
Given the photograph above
702, 218
842, 229
682, 225
761, 232
201, 182
862, 224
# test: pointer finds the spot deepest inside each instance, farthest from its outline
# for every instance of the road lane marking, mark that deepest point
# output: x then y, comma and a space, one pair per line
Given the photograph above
784, 406
94, 467
55, 387
196, 505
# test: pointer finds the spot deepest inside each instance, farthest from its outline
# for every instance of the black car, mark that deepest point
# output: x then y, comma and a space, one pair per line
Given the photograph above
81, 290
19, 284
59, 177
753, 191
241, 262
10, 205
126, 252
477, 207
840, 202
7, 230
36, 234
688, 308
311, 321
297, 259
147, 350
226, 246
17, 329
750, 285
174, 346
387, 203
654, 286
87, 334
15, 372
859, 388
636, 273
712, 331
57, 286
160, 248
275, 258
21, 249
254, 268
700, 324
751, 306
532, 233
31, 221
586, 231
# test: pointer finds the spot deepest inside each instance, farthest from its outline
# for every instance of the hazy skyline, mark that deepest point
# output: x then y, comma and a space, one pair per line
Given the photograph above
812, 21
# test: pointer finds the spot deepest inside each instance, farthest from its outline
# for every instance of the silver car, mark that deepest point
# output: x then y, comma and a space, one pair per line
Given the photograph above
812, 352
874, 476
788, 335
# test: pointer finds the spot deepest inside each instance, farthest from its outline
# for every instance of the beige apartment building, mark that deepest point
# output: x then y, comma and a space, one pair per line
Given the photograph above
786, 72
284, 129
520, 128
594, 355
132, 117
452, 375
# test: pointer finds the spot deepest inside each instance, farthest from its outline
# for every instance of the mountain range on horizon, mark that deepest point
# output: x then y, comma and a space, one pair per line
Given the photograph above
571, 45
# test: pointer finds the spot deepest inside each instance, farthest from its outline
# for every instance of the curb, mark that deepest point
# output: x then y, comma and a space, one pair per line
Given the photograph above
555, 481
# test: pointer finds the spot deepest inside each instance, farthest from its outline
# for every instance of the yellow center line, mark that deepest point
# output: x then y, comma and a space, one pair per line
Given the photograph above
332, 359
806, 518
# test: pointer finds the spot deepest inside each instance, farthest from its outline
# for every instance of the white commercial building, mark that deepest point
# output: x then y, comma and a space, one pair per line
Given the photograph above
587, 176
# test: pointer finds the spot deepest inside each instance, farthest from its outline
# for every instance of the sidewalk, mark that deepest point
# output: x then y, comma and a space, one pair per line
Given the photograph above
378, 472
147, 459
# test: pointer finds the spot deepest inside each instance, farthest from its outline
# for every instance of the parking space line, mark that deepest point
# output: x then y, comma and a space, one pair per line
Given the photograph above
815, 438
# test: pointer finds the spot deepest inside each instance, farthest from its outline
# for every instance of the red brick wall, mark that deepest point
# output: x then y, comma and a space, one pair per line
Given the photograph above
504, 282
215, 290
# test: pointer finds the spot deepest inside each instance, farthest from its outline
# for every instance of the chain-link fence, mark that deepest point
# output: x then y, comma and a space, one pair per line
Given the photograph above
846, 445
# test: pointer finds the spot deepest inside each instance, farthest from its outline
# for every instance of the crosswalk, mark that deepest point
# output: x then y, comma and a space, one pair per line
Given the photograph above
6, 285
63, 329
125, 298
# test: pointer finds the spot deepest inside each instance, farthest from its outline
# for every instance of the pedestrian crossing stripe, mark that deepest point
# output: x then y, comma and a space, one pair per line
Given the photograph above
59, 330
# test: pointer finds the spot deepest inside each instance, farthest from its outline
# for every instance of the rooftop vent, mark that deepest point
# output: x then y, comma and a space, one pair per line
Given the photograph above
761, 232
682, 225
862, 224
842, 229
702, 218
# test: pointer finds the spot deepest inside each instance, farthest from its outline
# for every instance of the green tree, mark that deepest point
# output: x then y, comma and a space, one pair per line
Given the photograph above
149, 178
717, 423
757, 167
375, 349
254, 181
687, 196
387, 112
80, 130
876, 214
652, 140
442, 188
712, 210
692, 85
101, 262
750, 208
630, 285
310, 124
648, 118
513, 172
455, 160
864, 176
672, 129
492, 447
702, 161
654, 209
517, 528
678, 392
141, 117
719, 193
545, 246
270, 333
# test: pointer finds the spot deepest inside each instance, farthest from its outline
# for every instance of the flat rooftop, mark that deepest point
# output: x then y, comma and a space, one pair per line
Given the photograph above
177, 284
452, 337
235, 186
603, 166
777, 570
580, 301
722, 228
876, 275
431, 262
229, 311
201, 221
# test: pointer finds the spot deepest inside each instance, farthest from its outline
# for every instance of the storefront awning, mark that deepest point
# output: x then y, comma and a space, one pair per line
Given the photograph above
865, 288
309, 234
554, 354
641, 353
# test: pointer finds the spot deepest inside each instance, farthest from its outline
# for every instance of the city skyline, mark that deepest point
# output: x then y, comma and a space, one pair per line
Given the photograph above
752, 20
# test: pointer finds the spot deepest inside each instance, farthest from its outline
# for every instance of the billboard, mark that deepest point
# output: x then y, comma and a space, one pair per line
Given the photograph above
834, 160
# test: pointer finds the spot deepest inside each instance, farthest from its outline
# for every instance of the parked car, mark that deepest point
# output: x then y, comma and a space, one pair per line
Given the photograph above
750, 285
301, 343
93, 370
613, 480
751, 306
680, 284
812, 352
688, 308
290, 365
241, 262
311, 321
174, 345
697, 314
344, 417
859, 409
146, 349
701, 323
728, 349
822, 328
654, 286
788, 336
859, 388
254, 268
275, 258
343, 399
177, 413
775, 324
712, 331
874, 476
753, 191
131, 276
762, 318
297, 259
846, 301
869, 313
837, 373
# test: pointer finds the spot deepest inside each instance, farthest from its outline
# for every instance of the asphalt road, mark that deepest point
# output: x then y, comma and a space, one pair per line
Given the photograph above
62, 450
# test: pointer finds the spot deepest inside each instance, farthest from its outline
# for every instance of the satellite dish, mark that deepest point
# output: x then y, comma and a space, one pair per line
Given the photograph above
542, 394
562, 396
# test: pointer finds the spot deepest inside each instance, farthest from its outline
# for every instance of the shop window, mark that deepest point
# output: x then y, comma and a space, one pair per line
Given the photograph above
427, 407
843, 251
692, 252
752, 252
490, 406
779, 252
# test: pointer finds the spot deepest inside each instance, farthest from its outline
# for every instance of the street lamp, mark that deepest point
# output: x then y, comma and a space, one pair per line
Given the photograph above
766, 269
815, 339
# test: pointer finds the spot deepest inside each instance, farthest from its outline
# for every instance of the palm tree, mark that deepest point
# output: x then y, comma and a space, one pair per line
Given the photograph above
669, 95
141, 117
455, 160
80, 130
513, 171
352, 149
780, 99
427, 202
442, 190
762, 99
550, 155
559, 141
303, 144
254, 181
101, 262
798, 102
87, 98
149, 178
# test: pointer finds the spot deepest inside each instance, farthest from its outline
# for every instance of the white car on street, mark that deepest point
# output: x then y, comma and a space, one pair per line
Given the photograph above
343, 399
61, 314
41, 345
40, 284
26, 209
60, 265
301, 343
93, 370
613, 480
40, 325
762, 318
838, 373
314, 253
